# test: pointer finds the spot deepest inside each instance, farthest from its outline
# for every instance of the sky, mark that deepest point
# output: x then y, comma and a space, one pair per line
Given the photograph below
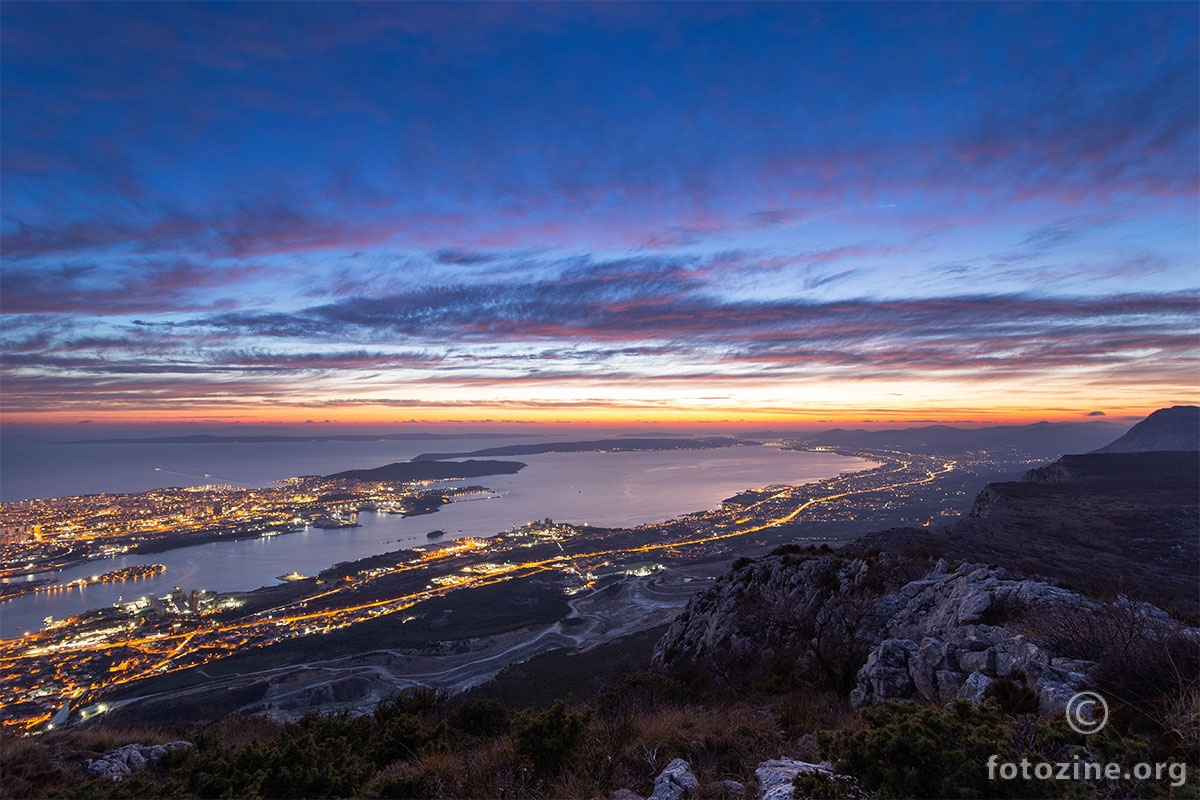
611, 213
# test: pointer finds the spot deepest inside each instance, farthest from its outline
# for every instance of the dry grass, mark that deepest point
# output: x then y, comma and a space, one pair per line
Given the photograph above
26, 769
1180, 719
721, 742
100, 740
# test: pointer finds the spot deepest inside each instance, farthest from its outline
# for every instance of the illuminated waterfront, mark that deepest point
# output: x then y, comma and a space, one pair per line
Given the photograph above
80, 660
608, 489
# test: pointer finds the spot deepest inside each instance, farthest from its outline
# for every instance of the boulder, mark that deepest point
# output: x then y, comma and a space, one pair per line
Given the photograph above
1018, 655
977, 661
886, 675
948, 682
975, 688
676, 782
130, 758
775, 779
775, 776
1053, 696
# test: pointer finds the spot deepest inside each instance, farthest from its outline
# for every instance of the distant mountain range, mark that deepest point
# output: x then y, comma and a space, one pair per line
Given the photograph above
609, 445
1175, 428
1040, 440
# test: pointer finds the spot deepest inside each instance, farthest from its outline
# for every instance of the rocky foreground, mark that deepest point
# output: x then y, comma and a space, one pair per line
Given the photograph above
950, 634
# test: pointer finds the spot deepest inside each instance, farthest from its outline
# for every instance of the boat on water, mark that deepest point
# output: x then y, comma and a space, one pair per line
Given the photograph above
435, 534
293, 576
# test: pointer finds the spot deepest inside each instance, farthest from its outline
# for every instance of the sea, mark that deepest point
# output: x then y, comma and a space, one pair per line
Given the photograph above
605, 489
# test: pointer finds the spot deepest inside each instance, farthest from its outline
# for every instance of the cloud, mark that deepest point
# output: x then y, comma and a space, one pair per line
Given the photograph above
1096, 414
638, 304
462, 257
137, 286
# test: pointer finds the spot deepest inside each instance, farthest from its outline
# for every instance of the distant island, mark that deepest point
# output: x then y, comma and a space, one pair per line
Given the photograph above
403, 471
610, 445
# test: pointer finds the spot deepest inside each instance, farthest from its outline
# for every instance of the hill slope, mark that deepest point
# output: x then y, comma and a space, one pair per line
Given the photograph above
1041, 440
1175, 428
1103, 523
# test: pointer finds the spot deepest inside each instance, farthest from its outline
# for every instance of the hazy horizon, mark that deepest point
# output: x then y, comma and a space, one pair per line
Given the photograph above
579, 430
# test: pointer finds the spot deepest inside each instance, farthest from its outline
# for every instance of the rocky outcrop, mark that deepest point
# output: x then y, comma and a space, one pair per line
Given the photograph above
947, 643
131, 758
676, 782
815, 610
776, 779
947, 635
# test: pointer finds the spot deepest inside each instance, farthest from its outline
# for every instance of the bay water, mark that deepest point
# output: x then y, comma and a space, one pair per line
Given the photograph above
621, 489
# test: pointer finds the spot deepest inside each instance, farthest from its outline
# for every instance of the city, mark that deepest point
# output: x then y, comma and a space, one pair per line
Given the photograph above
64, 671
41, 535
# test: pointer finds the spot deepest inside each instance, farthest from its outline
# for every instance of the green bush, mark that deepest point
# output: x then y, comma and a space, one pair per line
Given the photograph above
640, 692
484, 716
920, 751
549, 738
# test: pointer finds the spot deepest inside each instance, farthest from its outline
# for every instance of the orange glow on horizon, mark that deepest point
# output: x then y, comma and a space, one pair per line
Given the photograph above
366, 416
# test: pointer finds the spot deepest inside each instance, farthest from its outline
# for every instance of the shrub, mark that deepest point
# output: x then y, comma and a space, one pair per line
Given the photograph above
400, 780
640, 692
920, 751
550, 737
915, 751
483, 716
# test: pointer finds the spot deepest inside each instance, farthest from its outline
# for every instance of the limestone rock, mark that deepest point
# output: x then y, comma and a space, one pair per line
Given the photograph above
131, 758
948, 683
775, 779
975, 687
775, 776
950, 649
948, 634
775, 608
977, 661
676, 782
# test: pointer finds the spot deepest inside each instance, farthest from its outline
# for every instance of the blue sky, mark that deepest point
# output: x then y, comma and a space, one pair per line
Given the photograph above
384, 212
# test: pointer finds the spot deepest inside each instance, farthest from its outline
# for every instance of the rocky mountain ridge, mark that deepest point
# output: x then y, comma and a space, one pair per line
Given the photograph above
1175, 428
1099, 523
